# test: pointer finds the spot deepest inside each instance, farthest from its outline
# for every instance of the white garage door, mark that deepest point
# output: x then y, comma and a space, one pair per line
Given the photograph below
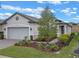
17, 32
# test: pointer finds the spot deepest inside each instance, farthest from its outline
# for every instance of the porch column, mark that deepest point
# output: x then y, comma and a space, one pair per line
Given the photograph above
6, 31
29, 34
58, 31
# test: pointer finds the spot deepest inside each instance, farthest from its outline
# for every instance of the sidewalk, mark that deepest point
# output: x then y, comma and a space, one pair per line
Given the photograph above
1, 56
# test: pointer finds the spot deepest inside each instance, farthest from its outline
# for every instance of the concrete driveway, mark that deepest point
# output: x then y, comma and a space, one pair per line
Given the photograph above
7, 42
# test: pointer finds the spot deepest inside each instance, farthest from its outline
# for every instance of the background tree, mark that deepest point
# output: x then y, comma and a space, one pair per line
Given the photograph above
47, 28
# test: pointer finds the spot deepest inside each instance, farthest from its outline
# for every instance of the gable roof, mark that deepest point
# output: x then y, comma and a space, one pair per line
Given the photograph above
65, 24
30, 18
57, 20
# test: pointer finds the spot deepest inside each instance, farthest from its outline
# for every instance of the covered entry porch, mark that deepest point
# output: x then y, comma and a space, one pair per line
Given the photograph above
63, 28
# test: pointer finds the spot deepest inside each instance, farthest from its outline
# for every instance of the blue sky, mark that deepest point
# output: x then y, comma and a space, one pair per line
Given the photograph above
67, 11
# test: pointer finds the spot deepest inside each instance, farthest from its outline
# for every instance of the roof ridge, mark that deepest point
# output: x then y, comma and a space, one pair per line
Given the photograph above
25, 16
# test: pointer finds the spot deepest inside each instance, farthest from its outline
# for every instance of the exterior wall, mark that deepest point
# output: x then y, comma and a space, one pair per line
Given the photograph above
34, 30
21, 22
68, 30
14, 22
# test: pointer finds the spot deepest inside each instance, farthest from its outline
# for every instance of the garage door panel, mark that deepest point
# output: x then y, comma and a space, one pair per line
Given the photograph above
18, 32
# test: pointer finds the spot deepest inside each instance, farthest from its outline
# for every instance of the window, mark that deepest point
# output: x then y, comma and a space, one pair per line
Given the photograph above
17, 18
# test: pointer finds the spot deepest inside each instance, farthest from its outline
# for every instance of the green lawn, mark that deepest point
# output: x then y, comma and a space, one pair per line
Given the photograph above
27, 52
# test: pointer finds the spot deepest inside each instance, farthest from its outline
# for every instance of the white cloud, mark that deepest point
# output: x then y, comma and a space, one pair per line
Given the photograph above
35, 15
76, 18
4, 15
26, 10
16, 8
73, 12
54, 2
38, 10
19, 9
66, 2
34, 11
50, 2
40, 1
52, 10
75, 8
8, 7
69, 11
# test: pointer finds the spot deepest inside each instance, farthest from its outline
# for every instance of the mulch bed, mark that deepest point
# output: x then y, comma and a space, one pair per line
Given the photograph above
34, 44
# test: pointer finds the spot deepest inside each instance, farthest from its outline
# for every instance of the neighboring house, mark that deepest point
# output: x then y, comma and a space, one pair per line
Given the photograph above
75, 28
18, 26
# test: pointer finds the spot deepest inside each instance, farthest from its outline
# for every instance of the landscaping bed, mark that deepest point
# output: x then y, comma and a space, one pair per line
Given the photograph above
46, 46
43, 46
45, 39
29, 52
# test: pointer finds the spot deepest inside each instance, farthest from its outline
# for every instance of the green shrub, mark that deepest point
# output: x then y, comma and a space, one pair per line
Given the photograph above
45, 39
23, 43
64, 38
77, 37
41, 45
16, 44
53, 47
28, 43
73, 33
78, 33
20, 43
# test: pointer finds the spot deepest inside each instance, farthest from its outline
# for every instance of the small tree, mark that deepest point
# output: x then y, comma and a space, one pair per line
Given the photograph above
47, 28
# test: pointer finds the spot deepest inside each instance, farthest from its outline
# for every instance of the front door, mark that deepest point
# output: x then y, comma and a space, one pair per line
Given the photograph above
62, 29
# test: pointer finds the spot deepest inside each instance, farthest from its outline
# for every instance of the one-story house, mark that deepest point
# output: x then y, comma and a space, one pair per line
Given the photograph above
18, 26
